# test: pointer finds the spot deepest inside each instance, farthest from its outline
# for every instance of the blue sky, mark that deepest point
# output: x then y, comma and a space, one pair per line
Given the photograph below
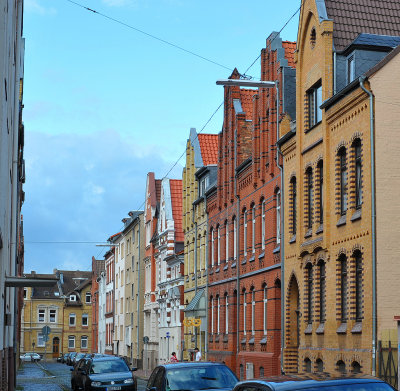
105, 104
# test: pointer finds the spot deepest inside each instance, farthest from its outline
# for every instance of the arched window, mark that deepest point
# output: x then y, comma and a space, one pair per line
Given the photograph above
321, 191
244, 312
294, 205
253, 229
218, 245
212, 247
358, 172
309, 291
341, 366
226, 241
245, 232
253, 311
200, 265
212, 314
322, 291
359, 284
226, 314
343, 180
309, 197
265, 309
218, 314
320, 365
278, 216
234, 237
343, 287
355, 367
307, 365
263, 224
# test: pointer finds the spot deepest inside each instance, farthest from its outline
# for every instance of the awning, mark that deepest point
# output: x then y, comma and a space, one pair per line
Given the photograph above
197, 307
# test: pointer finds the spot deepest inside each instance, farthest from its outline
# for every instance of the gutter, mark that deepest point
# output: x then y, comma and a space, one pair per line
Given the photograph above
373, 215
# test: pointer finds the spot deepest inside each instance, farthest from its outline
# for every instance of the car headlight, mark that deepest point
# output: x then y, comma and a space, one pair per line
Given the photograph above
96, 383
128, 381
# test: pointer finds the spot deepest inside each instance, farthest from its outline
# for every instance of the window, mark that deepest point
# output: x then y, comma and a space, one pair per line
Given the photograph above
25, 292
41, 315
359, 280
88, 298
350, 69
314, 96
71, 342
355, 367
261, 371
212, 247
53, 316
253, 311
294, 205
253, 229
72, 318
85, 320
321, 191
263, 225
234, 238
72, 298
84, 342
245, 232
218, 314
200, 254
226, 241
322, 290
226, 314
343, 287
343, 181
278, 216
203, 186
218, 245
40, 340
320, 365
341, 366
309, 197
358, 171
309, 291
212, 315
307, 365
244, 312
265, 310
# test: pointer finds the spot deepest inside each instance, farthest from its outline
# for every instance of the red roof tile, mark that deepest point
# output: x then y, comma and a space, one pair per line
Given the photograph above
209, 148
246, 98
176, 201
352, 17
290, 48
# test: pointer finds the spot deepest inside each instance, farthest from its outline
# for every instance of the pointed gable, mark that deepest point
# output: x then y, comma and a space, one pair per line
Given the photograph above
246, 98
209, 148
351, 17
176, 203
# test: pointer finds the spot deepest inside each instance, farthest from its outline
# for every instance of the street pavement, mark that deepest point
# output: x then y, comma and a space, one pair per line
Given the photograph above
54, 376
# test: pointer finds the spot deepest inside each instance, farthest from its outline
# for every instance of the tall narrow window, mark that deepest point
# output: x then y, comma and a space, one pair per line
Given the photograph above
245, 232
350, 69
309, 198
234, 238
212, 315
358, 169
343, 287
200, 253
218, 314
71, 342
244, 312
314, 95
359, 295
343, 181
294, 206
263, 225
309, 292
218, 245
226, 314
265, 312
53, 316
253, 229
322, 290
194, 257
321, 191
212, 247
278, 216
41, 317
226, 241
253, 311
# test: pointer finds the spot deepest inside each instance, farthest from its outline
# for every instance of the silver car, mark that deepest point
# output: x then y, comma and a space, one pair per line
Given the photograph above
33, 357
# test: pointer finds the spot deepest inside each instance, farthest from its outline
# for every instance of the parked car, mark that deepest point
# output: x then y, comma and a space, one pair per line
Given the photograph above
77, 358
106, 373
310, 383
191, 376
71, 357
60, 358
64, 359
34, 357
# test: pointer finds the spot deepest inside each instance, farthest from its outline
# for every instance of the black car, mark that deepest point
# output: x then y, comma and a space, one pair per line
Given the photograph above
77, 358
310, 383
191, 376
106, 373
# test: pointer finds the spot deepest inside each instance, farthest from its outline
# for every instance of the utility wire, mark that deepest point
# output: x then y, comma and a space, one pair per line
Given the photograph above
150, 35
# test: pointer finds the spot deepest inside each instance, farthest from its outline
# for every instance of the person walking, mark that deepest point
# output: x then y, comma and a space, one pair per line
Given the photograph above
173, 358
197, 356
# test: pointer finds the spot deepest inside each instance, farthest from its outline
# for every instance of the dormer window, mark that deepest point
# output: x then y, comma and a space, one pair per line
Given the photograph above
72, 298
350, 69
203, 186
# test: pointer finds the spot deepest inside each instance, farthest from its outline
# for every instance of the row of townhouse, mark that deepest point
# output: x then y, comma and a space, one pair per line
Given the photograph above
276, 251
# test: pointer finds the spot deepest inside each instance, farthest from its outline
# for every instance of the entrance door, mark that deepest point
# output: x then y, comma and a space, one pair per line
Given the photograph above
56, 347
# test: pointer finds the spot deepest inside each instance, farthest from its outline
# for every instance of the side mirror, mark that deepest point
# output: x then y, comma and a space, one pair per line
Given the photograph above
133, 369
71, 369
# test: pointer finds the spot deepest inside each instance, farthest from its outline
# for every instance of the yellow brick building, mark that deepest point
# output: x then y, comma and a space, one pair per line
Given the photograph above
199, 173
329, 257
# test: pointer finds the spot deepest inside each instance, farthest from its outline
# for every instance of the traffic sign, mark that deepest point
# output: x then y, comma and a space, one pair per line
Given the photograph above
46, 338
167, 334
46, 330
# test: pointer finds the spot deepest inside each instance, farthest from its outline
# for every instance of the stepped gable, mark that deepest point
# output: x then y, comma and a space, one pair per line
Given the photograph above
176, 201
209, 148
352, 17
290, 48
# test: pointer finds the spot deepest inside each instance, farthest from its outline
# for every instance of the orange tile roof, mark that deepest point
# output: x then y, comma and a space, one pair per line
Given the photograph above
246, 98
290, 48
209, 148
176, 200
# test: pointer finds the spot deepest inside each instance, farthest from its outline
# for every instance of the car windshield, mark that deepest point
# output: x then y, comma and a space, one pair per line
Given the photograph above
108, 366
201, 378
354, 387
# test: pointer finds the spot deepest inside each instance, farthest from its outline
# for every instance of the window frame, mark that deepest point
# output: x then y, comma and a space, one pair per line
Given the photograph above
343, 180
358, 173
278, 216
71, 338
72, 315
314, 100
265, 309
309, 175
343, 288
85, 316
41, 315
263, 224
244, 312
245, 232
84, 338
253, 229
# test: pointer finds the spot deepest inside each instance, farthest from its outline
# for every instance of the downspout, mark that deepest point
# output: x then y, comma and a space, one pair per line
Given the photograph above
195, 265
373, 215
334, 73
138, 295
282, 250
206, 260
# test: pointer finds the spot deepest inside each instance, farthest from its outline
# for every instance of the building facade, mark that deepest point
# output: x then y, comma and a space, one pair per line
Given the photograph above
97, 270
199, 173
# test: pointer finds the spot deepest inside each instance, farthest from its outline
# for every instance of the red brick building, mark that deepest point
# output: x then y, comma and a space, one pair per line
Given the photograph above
98, 266
244, 286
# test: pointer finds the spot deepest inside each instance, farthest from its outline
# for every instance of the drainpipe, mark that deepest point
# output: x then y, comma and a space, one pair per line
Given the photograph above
206, 261
278, 154
138, 294
195, 251
373, 214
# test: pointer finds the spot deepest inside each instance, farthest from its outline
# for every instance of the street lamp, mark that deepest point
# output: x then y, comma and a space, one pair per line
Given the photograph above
33, 346
246, 83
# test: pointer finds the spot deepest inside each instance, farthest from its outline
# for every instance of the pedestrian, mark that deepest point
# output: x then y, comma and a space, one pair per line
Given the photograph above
173, 357
197, 354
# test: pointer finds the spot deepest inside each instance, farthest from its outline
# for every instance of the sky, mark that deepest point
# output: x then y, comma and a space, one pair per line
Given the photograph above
104, 104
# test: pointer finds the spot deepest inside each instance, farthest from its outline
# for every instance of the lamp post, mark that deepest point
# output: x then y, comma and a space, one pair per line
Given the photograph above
33, 346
